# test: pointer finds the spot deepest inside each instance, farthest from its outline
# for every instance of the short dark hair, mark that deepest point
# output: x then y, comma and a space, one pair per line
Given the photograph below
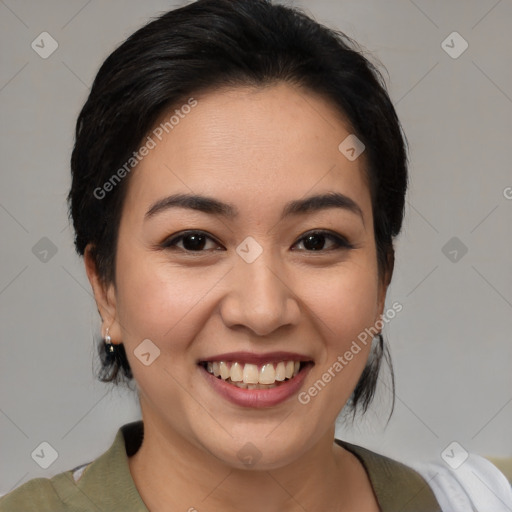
207, 45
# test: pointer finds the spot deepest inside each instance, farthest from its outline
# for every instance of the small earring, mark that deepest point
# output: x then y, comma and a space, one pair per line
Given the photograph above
109, 346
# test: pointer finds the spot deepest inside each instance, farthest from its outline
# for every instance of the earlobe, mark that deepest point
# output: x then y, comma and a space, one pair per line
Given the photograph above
104, 295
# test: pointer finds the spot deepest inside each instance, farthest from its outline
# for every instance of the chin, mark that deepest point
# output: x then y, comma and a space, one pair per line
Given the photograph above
260, 449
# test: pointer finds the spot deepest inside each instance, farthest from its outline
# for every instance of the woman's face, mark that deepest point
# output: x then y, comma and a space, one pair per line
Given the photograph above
242, 276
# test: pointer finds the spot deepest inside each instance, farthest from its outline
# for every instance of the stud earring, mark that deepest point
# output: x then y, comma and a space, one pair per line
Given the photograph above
110, 348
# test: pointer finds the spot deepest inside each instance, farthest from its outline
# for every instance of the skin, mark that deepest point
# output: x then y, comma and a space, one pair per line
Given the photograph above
239, 146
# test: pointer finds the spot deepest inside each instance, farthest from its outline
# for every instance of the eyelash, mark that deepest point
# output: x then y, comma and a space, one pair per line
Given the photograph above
340, 242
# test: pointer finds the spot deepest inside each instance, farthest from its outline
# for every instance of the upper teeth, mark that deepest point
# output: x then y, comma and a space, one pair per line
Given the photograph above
248, 373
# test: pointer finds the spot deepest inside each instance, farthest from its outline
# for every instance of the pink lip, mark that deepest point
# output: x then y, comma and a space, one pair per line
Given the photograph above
257, 398
258, 359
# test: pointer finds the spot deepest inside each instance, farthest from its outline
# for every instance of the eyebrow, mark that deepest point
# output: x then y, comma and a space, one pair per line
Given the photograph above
213, 206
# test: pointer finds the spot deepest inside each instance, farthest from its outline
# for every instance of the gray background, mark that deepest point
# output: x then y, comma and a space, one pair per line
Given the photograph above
451, 344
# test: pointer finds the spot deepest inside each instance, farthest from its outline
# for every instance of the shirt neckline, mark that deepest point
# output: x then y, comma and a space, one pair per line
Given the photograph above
395, 485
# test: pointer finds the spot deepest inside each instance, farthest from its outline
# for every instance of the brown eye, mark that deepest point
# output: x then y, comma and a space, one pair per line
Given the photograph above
191, 241
316, 241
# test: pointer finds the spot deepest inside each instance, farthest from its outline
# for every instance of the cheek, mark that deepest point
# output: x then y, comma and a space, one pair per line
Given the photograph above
344, 310
345, 301
161, 302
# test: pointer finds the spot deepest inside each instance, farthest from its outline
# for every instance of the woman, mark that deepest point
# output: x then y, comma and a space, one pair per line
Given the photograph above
239, 175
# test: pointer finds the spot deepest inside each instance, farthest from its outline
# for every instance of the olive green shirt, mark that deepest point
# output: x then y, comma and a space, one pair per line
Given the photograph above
106, 484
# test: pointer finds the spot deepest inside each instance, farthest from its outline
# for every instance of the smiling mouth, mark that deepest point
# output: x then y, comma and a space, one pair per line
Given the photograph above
252, 376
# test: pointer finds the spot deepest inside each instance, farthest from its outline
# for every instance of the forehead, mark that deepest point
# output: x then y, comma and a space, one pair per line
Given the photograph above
250, 146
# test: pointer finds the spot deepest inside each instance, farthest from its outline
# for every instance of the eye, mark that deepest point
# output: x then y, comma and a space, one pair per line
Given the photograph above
192, 241
316, 240
197, 241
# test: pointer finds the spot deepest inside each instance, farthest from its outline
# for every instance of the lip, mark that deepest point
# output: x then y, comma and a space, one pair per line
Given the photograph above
258, 359
256, 398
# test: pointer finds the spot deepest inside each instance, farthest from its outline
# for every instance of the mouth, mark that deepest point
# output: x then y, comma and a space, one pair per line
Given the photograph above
254, 375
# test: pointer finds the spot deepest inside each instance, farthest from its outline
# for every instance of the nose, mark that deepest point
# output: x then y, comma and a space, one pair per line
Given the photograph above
259, 297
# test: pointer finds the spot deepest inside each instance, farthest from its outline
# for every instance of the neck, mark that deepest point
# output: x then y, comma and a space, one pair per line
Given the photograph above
171, 473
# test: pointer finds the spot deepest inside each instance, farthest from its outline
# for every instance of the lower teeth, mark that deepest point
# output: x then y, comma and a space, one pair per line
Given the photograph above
243, 385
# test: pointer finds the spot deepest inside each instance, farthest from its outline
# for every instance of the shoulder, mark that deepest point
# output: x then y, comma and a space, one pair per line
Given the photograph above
38, 491
475, 484
103, 484
56, 494
396, 486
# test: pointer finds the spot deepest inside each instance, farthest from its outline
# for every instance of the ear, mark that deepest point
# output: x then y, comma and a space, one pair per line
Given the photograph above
384, 282
105, 297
